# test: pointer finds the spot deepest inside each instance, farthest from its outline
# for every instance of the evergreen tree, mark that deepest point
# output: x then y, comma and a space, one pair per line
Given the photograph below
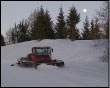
39, 25
72, 19
28, 34
92, 32
86, 30
2, 40
18, 33
31, 24
43, 25
96, 29
13, 36
95, 32
48, 26
61, 26
22, 30
78, 37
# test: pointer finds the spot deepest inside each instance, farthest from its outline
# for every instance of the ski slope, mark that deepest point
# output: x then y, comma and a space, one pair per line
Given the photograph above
83, 67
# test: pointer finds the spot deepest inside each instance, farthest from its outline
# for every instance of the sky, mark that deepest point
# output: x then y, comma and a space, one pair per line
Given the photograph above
15, 11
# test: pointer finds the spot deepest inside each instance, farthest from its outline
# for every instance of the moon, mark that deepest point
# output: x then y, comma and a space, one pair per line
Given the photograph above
84, 10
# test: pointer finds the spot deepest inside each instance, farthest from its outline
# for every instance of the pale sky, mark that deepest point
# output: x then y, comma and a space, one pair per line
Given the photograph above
15, 11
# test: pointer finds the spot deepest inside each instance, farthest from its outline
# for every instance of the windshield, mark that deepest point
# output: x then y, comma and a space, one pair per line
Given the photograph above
43, 52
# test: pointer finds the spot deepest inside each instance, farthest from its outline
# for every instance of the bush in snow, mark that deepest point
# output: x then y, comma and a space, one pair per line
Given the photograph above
102, 43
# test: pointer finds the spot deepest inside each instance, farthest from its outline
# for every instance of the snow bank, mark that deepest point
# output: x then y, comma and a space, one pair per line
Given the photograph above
83, 67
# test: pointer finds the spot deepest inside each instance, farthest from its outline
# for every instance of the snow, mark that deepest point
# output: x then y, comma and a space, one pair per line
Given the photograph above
83, 67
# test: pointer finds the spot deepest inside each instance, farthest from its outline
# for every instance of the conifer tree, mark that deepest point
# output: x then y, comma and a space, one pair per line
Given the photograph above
72, 20
48, 26
31, 24
95, 32
96, 29
22, 30
39, 25
60, 26
86, 30
92, 30
43, 25
13, 36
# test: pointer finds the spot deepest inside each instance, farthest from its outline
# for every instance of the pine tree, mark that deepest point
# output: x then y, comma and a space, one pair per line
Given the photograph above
2, 40
39, 25
48, 26
22, 30
43, 25
96, 29
72, 19
18, 33
78, 37
86, 30
31, 24
92, 32
13, 36
61, 26
28, 34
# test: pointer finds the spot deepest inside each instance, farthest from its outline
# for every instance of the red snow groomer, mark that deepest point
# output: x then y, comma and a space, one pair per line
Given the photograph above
38, 56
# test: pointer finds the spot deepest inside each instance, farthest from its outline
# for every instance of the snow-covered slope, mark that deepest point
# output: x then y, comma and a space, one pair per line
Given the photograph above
82, 65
